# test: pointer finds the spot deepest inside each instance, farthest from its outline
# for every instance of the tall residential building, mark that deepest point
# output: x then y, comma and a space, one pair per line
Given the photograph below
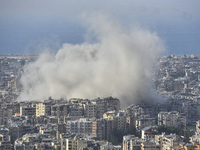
144, 122
148, 133
29, 111
40, 110
43, 109
106, 104
172, 119
98, 129
81, 126
120, 121
90, 110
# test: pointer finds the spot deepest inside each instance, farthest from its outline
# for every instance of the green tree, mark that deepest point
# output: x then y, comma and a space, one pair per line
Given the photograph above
116, 136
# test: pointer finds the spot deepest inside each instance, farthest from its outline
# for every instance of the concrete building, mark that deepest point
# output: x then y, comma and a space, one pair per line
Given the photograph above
5, 134
43, 109
144, 122
76, 110
71, 144
120, 121
27, 141
149, 145
167, 142
76, 143
5, 115
60, 110
29, 111
99, 129
172, 119
148, 133
90, 110
105, 105
81, 126
191, 109
48, 130
5, 143
130, 142
195, 139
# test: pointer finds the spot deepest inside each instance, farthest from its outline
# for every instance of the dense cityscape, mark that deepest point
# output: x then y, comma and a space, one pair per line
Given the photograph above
173, 123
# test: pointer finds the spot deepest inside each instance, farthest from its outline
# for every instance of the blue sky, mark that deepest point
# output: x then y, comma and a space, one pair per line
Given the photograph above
29, 26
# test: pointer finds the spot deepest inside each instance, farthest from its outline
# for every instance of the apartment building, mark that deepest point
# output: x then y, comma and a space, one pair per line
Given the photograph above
172, 119
144, 122
43, 109
81, 126
130, 142
166, 142
90, 110
28, 111
99, 129
148, 133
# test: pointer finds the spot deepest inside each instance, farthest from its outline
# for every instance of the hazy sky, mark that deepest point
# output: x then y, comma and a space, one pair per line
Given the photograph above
31, 25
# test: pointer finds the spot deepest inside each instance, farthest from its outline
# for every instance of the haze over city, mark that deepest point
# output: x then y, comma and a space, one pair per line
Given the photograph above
32, 26
125, 35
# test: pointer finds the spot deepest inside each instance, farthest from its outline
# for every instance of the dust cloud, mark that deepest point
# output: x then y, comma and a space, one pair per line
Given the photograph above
113, 61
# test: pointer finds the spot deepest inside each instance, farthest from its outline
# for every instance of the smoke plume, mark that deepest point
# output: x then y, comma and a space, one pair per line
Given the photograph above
114, 62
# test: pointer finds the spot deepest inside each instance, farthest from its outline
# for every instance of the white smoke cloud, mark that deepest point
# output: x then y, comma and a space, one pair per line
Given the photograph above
117, 63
